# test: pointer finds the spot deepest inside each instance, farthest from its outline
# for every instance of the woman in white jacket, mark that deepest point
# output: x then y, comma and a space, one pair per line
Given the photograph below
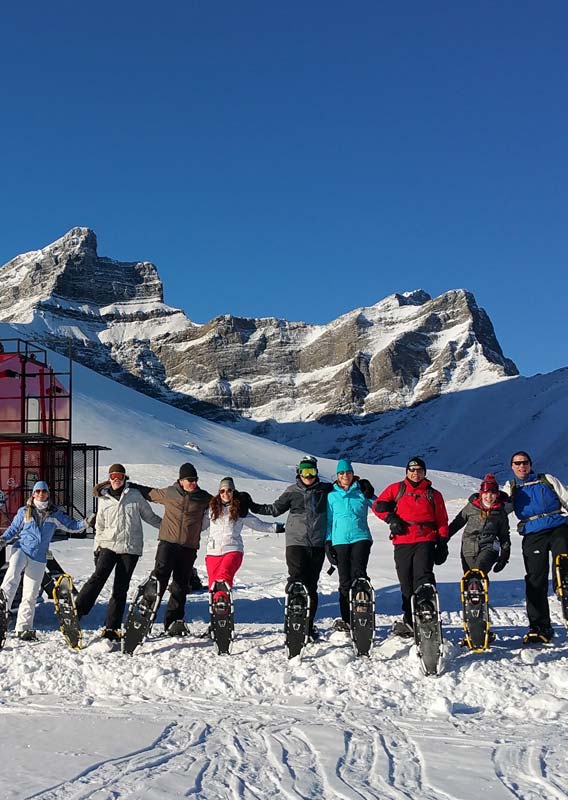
225, 543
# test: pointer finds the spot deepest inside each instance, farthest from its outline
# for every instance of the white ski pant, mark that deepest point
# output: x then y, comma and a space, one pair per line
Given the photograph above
33, 574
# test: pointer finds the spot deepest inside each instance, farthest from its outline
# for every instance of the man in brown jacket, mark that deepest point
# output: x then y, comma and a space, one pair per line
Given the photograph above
184, 503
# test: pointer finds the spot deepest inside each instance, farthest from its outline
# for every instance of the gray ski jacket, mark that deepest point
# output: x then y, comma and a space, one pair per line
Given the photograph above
306, 525
482, 527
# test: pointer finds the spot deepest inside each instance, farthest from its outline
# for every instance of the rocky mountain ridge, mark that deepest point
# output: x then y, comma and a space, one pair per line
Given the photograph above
404, 350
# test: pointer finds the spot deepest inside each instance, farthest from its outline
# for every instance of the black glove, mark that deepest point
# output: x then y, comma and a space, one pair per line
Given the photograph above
367, 488
331, 553
441, 552
280, 527
96, 555
245, 501
396, 525
503, 559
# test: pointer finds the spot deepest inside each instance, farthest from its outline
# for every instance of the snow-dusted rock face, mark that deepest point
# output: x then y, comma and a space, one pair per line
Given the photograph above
405, 349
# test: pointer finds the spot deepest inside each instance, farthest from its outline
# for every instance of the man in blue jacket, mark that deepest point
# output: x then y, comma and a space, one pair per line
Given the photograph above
540, 502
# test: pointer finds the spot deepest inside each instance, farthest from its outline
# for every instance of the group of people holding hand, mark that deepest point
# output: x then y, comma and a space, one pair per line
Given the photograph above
324, 518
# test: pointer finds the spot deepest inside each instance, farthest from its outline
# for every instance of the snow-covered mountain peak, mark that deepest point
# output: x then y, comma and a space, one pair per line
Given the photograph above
404, 349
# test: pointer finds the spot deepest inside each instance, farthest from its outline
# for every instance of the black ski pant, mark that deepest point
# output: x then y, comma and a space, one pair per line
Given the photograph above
537, 548
304, 565
107, 560
352, 560
484, 560
414, 566
175, 561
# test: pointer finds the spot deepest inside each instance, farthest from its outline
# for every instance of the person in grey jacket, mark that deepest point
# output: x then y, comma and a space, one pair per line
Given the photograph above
306, 527
119, 542
485, 541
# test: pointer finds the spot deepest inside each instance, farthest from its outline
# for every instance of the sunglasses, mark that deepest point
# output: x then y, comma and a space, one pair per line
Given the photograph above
520, 463
225, 491
310, 472
41, 491
116, 476
415, 469
190, 480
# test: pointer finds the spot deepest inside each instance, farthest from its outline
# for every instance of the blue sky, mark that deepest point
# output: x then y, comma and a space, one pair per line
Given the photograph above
299, 160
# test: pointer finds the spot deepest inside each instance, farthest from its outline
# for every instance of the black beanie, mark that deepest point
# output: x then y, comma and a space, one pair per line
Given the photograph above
187, 470
416, 461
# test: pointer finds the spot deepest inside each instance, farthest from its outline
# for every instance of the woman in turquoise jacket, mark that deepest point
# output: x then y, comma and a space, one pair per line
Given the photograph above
348, 540
30, 535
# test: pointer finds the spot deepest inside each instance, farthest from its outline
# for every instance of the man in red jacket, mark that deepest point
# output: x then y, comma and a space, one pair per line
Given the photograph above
418, 520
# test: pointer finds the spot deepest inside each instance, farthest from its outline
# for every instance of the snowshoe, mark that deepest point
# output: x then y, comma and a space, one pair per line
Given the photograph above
64, 601
222, 618
141, 615
561, 575
3, 618
362, 615
296, 619
474, 588
427, 628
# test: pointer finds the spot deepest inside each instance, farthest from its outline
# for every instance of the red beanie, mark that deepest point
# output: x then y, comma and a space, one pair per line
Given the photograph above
489, 484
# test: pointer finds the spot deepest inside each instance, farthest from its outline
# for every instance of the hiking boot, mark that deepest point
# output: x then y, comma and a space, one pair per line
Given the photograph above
341, 625
403, 629
27, 636
178, 628
538, 635
111, 635
314, 634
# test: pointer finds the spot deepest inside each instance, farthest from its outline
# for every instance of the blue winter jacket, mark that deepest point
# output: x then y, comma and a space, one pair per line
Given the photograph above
347, 515
33, 537
532, 497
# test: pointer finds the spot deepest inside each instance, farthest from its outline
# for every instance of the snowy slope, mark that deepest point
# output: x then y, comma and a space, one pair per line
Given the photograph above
176, 720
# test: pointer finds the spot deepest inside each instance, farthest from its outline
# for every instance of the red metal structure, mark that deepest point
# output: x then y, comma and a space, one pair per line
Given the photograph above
35, 434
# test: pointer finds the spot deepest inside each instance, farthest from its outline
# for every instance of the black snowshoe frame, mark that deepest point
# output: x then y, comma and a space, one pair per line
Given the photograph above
64, 601
141, 615
427, 628
561, 575
474, 589
3, 618
222, 618
362, 615
296, 619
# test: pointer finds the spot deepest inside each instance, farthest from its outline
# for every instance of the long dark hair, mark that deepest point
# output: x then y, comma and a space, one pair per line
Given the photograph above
216, 507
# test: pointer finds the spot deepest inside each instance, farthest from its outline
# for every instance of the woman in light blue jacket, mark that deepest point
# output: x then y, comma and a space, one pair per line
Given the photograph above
348, 540
30, 535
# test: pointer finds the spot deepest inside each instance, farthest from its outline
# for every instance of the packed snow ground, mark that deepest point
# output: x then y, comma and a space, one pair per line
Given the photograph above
176, 720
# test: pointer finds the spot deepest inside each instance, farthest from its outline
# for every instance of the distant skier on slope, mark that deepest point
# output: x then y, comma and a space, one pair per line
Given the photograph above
540, 503
418, 521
